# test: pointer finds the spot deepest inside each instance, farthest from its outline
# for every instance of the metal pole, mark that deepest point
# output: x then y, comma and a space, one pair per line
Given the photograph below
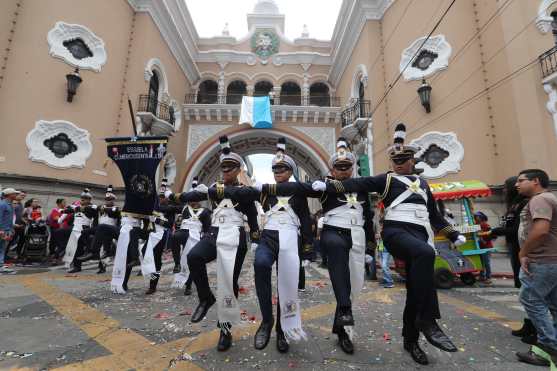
132, 116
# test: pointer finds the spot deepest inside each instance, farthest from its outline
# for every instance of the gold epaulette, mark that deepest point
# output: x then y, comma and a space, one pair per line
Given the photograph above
220, 190
272, 189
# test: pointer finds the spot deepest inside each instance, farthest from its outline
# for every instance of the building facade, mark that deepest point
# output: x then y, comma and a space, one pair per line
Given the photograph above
490, 64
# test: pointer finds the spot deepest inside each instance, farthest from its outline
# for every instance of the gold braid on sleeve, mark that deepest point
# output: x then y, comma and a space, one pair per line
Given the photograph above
447, 230
338, 186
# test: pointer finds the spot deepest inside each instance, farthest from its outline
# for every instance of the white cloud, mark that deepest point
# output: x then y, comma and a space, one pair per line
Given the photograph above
209, 16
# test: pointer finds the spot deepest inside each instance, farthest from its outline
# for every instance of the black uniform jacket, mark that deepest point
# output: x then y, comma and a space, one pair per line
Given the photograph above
204, 217
389, 189
215, 196
113, 212
329, 201
298, 203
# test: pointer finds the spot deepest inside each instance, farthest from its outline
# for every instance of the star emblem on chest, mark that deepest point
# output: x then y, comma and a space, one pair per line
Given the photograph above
283, 201
352, 199
226, 203
414, 187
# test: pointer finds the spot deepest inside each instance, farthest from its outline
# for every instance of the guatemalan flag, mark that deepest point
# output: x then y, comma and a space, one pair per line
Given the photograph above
256, 111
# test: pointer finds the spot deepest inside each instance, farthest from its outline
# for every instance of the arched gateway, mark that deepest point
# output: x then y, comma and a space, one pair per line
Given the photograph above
308, 154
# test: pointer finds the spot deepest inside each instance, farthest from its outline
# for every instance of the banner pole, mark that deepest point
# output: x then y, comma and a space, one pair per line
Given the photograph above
132, 117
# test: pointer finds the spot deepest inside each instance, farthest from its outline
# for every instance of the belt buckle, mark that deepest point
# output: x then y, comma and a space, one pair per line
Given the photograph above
353, 221
221, 219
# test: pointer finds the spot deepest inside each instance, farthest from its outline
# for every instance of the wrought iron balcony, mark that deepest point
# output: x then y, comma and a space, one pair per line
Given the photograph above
357, 109
548, 62
156, 117
282, 100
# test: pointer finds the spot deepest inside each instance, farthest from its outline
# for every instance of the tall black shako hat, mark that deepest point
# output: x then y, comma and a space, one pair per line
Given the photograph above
227, 157
399, 149
281, 158
343, 155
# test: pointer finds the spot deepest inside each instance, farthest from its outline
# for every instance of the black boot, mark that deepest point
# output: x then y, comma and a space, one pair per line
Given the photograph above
263, 335
282, 344
526, 329
435, 336
187, 290
225, 341
102, 268
416, 352
152, 286
202, 309
345, 342
76, 268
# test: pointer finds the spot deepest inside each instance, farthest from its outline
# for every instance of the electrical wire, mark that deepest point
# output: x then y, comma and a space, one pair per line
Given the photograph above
392, 85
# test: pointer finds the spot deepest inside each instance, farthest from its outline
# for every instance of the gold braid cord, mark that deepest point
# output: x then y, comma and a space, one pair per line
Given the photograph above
448, 230
338, 185
220, 190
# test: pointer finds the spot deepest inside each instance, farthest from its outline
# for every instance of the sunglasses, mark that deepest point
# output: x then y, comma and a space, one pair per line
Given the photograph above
280, 169
342, 167
228, 168
400, 160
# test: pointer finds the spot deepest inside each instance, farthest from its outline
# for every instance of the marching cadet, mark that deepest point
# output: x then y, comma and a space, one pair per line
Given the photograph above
105, 232
347, 228
85, 217
410, 214
226, 242
286, 239
195, 221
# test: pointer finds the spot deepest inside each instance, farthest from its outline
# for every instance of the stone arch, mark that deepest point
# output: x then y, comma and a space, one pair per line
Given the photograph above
238, 76
235, 90
290, 93
155, 66
207, 92
290, 77
544, 19
262, 87
248, 141
360, 76
264, 76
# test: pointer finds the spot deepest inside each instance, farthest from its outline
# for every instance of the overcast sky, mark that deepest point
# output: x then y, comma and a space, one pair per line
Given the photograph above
210, 16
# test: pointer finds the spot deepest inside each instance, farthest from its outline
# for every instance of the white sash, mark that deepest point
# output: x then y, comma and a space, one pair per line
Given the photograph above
80, 220
411, 212
147, 260
193, 226
228, 239
119, 269
349, 218
105, 219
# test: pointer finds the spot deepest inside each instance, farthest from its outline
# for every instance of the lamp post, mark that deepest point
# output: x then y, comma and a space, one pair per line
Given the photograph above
424, 92
73, 80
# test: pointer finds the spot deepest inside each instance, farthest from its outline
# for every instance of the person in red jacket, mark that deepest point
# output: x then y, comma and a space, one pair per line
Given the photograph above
486, 242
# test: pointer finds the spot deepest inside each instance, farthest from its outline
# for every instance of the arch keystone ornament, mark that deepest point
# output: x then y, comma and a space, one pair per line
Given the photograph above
441, 154
544, 19
432, 57
59, 144
77, 45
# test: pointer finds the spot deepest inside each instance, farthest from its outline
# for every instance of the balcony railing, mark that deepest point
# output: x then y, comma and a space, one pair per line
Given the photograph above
358, 109
283, 100
548, 62
163, 111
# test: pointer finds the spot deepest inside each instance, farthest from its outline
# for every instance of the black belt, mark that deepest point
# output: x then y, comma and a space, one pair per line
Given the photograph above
336, 229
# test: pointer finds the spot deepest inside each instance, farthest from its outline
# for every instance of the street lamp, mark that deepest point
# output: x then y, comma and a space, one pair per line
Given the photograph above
424, 91
73, 82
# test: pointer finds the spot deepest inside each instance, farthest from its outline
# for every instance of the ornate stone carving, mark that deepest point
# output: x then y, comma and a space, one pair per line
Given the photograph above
433, 56
325, 136
551, 104
59, 144
77, 45
543, 20
441, 153
154, 64
198, 134
265, 43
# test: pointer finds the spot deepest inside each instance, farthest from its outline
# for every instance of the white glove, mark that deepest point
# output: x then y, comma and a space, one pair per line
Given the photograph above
319, 185
369, 259
253, 247
258, 185
167, 194
202, 188
460, 240
305, 263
